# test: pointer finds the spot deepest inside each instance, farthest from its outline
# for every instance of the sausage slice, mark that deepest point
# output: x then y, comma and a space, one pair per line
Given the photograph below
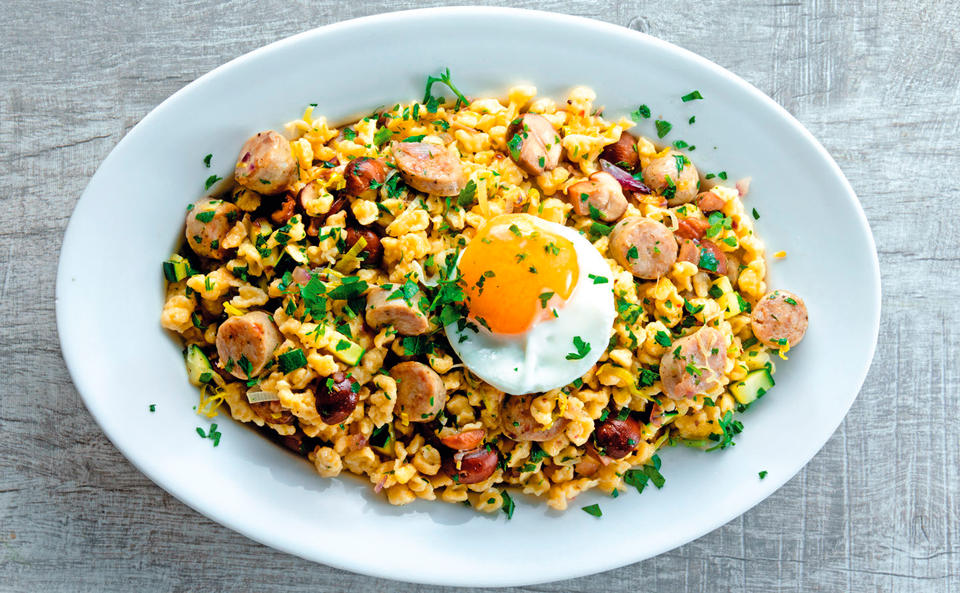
246, 343
602, 192
429, 168
519, 424
266, 164
704, 254
709, 201
533, 143
643, 246
694, 364
420, 391
682, 185
208, 223
404, 316
779, 319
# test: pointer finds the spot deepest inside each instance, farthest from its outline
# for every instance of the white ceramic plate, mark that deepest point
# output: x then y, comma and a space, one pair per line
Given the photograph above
109, 293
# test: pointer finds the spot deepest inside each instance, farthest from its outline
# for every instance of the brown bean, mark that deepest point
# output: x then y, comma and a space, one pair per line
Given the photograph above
617, 438
283, 214
623, 152
471, 467
692, 228
335, 397
363, 175
372, 251
464, 440
272, 412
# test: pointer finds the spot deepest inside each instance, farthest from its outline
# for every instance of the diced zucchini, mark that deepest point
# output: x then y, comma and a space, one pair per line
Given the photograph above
175, 269
755, 384
199, 369
381, 440
345, 349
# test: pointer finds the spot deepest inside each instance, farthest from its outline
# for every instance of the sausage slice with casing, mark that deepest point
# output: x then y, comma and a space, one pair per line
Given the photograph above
518, 422
694, 364
246, 343
643, 246
623, 152
405, 316
420, 391
429, 168
599, 195
208, 223
675, 181
266, 164
779, 319
533, 143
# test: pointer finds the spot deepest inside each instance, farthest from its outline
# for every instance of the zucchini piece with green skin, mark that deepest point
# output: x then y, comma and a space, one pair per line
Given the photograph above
345, 349
381, 440
755, 384
176, 268
199, 369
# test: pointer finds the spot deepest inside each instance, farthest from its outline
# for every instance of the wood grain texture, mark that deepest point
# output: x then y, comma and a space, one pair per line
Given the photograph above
877, 81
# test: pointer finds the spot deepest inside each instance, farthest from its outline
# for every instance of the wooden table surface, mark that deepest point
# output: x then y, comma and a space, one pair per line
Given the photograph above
878, 82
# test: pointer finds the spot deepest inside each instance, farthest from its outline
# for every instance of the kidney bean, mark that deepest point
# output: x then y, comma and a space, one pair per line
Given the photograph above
617, 438
361, 173
372, 250
336, 398
623, 152
470, 467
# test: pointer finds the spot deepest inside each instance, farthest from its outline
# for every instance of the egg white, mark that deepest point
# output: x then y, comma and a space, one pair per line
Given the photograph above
536, 361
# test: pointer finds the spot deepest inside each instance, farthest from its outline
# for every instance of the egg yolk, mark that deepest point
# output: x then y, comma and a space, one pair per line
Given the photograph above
515, 273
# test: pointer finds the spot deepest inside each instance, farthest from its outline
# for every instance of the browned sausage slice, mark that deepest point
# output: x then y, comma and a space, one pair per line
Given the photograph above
623, 152
683, 182
463, 440
519, 424
602, 192
246, 343
709, 201
779, 319
692, 228
208, 223
266, 163
429, 168
404, 316
694, 364
363, 175
420, 391
704, 254
643, 246
533, 143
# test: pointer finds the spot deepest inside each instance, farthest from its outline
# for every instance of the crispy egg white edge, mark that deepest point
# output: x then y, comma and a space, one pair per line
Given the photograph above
535, 361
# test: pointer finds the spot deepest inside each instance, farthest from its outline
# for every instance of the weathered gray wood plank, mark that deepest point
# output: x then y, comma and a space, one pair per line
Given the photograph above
876, 81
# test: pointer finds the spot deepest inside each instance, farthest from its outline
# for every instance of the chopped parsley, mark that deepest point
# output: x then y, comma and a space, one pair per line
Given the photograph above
582, 347
756, 215
468, 195
642, 112
545, 297
730, 428
210, 181
444, 78
708, 261
153, 407
206, 160
663, 338
762, 474
593, 509
650, 472
632, 253
663, 128
598, 279
213, 435
382, 136
507, 506
691, 96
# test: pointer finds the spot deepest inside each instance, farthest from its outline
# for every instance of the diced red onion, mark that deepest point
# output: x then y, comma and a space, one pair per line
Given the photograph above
626, 180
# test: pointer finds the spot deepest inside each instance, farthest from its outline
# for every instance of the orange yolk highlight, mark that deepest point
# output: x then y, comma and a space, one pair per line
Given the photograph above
515, 273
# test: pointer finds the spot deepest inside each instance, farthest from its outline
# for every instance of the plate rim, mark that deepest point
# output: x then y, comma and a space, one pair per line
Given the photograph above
73, 361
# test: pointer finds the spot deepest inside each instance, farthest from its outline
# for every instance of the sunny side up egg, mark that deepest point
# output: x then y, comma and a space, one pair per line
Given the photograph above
540, 303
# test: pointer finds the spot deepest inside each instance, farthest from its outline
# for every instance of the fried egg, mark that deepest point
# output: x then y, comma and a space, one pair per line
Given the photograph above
540, 305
